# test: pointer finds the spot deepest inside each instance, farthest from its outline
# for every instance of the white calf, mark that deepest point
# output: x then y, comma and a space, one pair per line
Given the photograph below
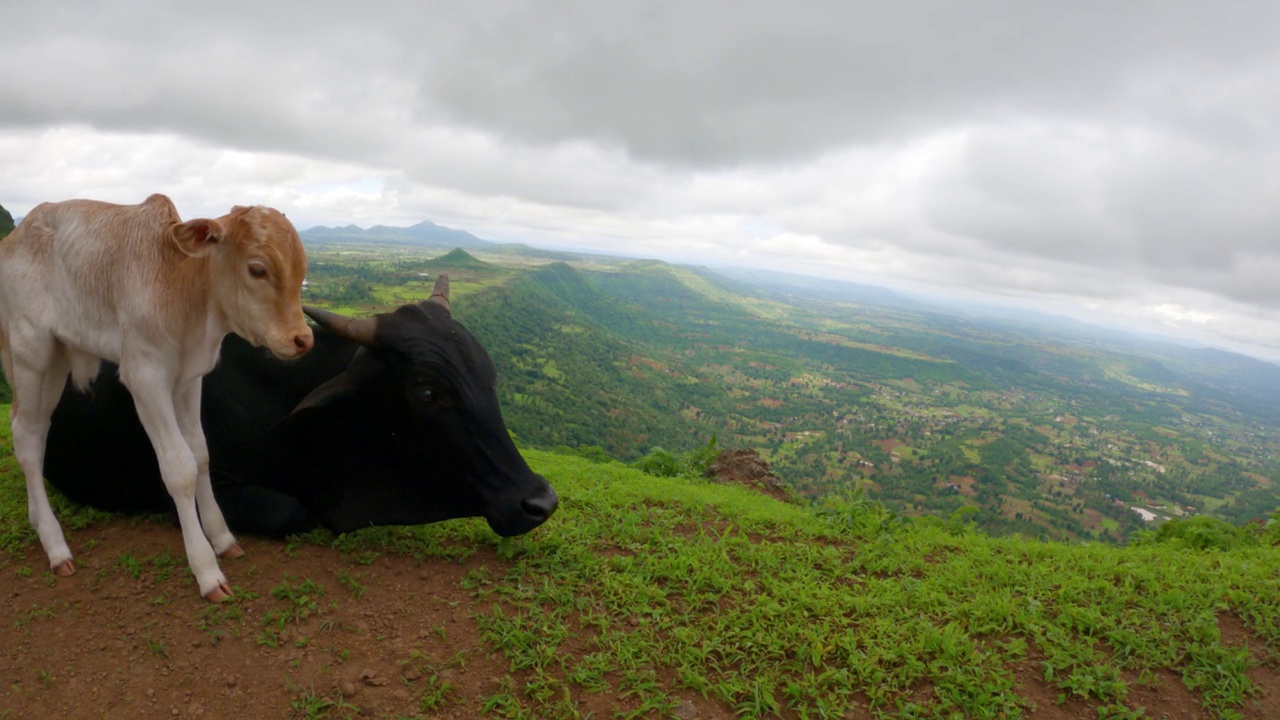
83, 280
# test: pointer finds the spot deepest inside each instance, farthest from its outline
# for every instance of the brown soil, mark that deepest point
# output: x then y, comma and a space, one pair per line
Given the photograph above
744, 466
102, 643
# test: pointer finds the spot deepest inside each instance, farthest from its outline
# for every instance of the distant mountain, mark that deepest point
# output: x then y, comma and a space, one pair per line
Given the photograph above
425, 233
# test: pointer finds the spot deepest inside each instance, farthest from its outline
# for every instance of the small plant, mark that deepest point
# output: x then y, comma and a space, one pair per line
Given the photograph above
663, 463
311, 706
436, 694
157, 647
355, 587
129, 565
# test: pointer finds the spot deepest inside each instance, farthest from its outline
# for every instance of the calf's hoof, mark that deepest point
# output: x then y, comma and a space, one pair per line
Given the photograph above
232, 552
66, 568
219, 593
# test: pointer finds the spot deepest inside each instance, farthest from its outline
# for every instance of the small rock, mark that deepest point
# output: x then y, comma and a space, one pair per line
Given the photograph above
685, 711
371, 679
411, 673
348, 689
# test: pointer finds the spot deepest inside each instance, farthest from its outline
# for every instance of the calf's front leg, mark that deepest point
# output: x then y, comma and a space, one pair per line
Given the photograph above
154, 396
187, 408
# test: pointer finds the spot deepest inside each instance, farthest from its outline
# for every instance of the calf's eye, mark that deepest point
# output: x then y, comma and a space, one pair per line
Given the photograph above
423, 394
258, 270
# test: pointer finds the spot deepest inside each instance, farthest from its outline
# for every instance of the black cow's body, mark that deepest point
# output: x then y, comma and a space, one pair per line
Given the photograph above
394, 422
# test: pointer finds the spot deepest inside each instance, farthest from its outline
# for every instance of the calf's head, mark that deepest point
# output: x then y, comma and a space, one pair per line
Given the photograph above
257, 265
424, 393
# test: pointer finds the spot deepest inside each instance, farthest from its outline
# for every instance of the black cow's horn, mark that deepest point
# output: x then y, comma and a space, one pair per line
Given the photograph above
357, 330
440, 293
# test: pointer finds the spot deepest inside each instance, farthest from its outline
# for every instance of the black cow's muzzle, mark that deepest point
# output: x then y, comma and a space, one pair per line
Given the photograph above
529, 512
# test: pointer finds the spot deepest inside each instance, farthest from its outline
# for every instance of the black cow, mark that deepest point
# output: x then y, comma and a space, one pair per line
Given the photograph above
391, 420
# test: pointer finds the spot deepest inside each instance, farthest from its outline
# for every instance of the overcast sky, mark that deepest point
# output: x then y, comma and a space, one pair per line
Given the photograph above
1110, 160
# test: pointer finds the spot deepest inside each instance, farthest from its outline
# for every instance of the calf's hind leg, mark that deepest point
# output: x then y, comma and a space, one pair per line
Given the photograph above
38, 379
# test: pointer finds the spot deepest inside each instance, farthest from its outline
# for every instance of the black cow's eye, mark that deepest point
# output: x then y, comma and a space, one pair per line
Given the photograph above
423, 394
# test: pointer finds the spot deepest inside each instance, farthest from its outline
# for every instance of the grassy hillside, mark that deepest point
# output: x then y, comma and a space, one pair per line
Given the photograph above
652, 597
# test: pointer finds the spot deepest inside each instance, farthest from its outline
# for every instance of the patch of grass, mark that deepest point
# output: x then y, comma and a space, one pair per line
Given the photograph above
436, 694
299, 600
312, 706
157, 647
129, 565
772, 608
354, 586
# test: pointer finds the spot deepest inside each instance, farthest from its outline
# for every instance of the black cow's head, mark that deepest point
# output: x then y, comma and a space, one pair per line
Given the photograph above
432, 441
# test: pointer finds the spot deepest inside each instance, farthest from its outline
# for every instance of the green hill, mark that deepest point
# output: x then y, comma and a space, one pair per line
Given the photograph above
564, 377
458, 258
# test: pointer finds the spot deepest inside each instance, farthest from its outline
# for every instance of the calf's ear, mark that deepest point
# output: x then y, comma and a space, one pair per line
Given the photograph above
195, 237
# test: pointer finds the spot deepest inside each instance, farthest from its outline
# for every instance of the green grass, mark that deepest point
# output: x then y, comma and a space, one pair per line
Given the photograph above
769, 606
656, 589
297, 601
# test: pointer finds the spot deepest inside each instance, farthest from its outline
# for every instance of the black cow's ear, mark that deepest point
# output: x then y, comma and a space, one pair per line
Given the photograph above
336, 387
363, 366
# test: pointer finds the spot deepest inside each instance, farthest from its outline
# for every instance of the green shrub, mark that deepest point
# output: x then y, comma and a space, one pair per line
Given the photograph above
1200, 533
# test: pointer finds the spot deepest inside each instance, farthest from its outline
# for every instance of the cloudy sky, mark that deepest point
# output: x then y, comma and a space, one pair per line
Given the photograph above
1114, 160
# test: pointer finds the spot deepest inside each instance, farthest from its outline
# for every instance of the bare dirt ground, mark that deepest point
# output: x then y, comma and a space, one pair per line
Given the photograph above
104, 644
125, 639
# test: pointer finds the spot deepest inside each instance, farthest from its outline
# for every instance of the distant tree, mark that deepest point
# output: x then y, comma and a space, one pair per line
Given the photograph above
6, 222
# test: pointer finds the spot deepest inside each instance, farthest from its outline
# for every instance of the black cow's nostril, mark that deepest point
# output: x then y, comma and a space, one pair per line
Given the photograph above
541, 508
